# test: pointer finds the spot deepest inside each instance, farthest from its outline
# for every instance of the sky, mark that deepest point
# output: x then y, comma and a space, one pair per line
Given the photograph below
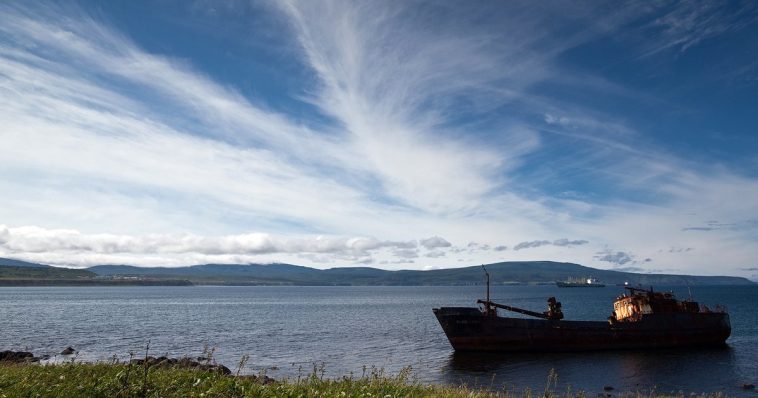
391, 134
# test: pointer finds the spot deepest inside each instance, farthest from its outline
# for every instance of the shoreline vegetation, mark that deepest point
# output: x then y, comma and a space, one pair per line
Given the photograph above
21, 273
120, 380
21, 375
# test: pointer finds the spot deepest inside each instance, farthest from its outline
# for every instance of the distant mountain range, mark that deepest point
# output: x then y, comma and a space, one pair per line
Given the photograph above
18, 263
521, 272
22, 273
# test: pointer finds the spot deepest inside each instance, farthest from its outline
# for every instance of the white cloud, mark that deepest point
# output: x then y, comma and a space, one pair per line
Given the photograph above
60, 125
566, 242
385, 78
619, 258
5, 234
563, 242
69, 247
405, 253
435, 254
434, 242
550, 119
531, 244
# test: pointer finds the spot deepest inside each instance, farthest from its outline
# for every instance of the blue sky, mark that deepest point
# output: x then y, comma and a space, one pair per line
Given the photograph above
400, 135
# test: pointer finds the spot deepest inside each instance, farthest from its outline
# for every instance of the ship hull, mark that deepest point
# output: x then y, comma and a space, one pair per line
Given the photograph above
468, 329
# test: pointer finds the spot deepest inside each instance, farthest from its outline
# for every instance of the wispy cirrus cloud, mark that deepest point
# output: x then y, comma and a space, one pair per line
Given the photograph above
61, 121
715, 226
390, 82
689, 23
434, 120
86, 110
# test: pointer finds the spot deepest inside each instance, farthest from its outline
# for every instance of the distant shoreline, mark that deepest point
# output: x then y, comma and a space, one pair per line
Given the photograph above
172, 282
89, 282
20, 273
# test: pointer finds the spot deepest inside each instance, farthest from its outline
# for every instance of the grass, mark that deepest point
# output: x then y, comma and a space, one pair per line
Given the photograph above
125, 380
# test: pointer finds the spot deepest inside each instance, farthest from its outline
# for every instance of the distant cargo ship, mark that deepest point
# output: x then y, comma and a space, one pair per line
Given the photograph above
641, 319
580, 282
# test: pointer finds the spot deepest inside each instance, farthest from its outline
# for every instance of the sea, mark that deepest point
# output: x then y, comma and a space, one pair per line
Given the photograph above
288, 332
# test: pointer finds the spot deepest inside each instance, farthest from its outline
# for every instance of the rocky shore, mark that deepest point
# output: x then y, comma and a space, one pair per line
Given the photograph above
181, 363
208, 368
163, 362
18, 357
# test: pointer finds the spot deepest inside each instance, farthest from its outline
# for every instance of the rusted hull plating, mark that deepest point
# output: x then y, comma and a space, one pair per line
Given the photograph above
468, 329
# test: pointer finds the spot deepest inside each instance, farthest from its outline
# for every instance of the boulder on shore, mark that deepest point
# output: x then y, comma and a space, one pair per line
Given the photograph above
184, 363
68, 351
263, 379
17, 356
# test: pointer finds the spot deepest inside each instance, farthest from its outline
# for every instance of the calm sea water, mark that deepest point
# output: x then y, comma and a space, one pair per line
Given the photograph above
286, 330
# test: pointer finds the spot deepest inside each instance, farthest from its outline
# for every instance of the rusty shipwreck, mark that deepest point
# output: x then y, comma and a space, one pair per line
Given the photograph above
641, 319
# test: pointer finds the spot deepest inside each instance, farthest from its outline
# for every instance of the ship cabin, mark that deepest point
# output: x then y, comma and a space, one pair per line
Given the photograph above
632, 307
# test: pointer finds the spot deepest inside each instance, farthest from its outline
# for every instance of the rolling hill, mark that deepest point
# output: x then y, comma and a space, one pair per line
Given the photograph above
22, 273
18, 263
517, 272
501, 273
25, 272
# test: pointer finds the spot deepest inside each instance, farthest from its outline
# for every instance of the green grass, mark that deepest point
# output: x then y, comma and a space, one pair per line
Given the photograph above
123, 380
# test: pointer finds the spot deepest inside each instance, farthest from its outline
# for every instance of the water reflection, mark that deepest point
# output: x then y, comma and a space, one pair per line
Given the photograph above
666, 370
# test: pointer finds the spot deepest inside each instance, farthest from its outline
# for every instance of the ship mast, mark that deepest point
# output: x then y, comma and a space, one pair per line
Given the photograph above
488, 303
488, 282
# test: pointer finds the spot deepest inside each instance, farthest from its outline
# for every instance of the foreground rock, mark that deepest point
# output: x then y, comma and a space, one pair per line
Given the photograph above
263, 379
17, 357
183, 363
188, 363
150, 361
